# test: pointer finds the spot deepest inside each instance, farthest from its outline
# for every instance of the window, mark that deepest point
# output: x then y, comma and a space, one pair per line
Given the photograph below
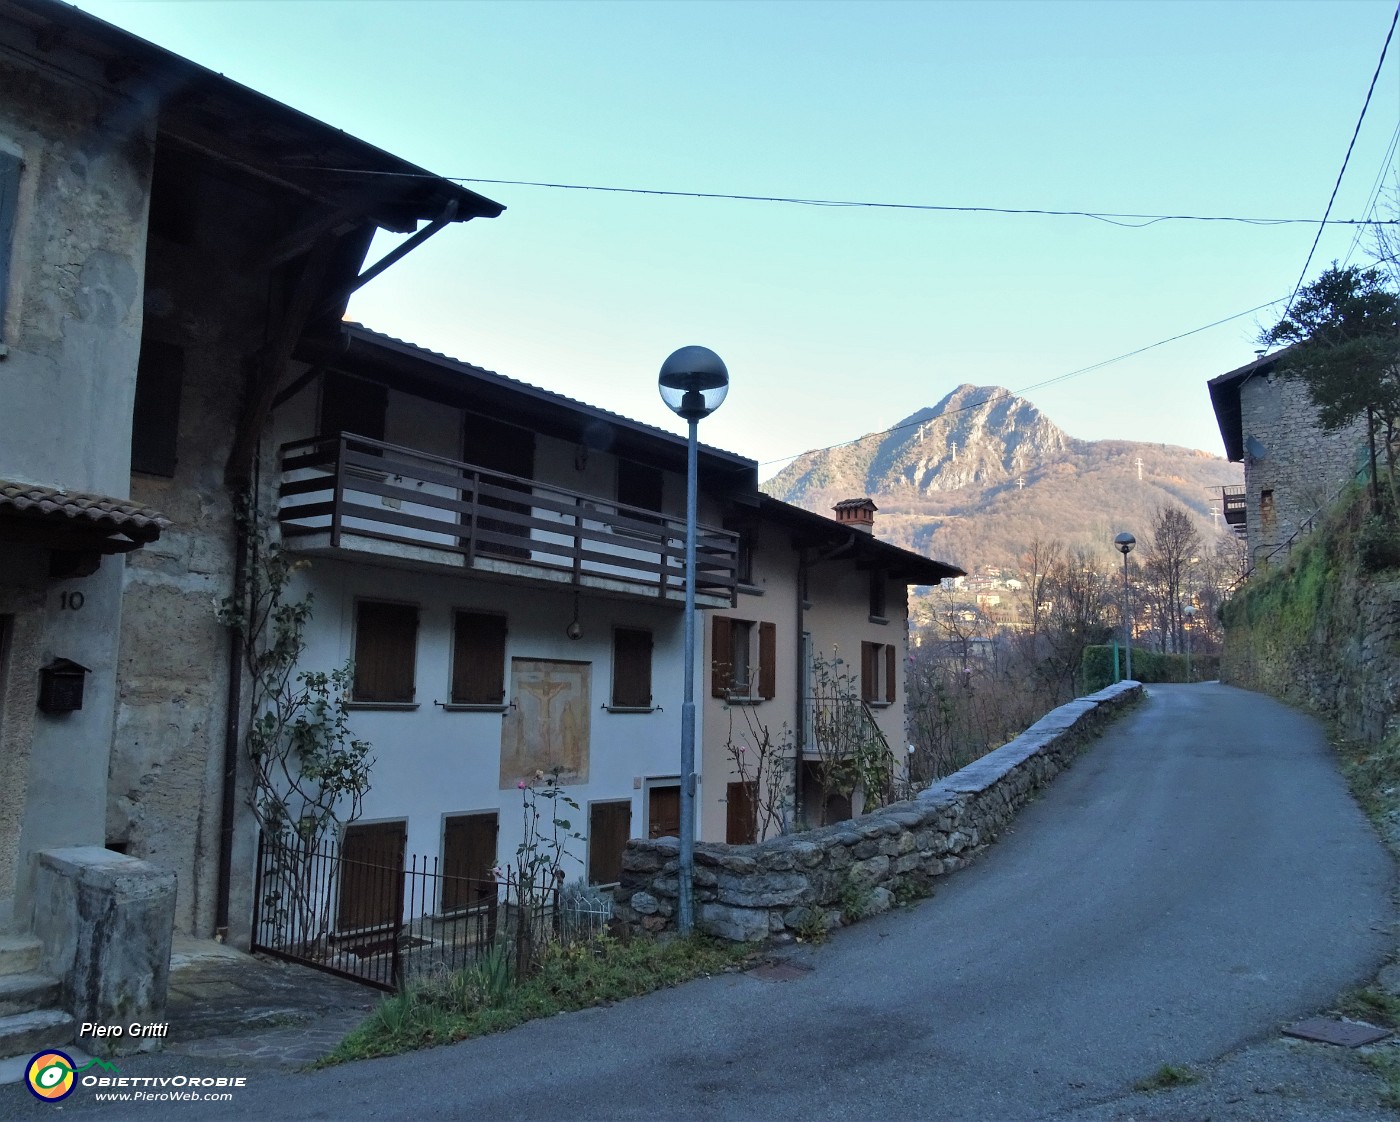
878, 670
371, 875
609, 827
386, 643
743, 560
1267, 524
639, 485
741, 825
468, 853
735, 673
155, 416
10, 165
478, 658
631, 679
353, 405
878, 601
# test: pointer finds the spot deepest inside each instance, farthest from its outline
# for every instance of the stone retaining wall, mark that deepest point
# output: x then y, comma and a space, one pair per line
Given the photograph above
830, 876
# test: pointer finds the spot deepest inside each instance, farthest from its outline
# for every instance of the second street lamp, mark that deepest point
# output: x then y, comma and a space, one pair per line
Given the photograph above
1124, 542
693, 383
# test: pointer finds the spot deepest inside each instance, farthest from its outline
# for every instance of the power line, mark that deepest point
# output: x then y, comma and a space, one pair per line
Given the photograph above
1028, 389
1345, 160
1128, 220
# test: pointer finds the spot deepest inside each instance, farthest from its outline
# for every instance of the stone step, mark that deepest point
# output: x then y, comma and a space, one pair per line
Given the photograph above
23, 1033
24, 993
19, 954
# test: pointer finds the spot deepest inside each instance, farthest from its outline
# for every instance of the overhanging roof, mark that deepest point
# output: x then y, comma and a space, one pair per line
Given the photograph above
439, 377
208, 113
75, 520
1225, 400
809, 529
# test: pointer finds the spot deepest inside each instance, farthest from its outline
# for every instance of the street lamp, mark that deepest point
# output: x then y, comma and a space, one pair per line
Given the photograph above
1124, 543
693, 383
1189, 612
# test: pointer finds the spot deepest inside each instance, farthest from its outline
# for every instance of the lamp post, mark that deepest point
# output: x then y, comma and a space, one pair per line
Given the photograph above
1124, 543
693, 383
1189, 612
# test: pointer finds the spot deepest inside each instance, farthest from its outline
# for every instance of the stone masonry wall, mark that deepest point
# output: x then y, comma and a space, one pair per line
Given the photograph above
749, 893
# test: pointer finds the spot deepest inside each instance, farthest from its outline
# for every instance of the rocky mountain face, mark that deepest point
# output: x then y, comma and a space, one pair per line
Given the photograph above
977, 477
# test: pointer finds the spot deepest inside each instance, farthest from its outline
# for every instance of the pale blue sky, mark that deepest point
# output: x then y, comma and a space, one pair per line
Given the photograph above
839, 321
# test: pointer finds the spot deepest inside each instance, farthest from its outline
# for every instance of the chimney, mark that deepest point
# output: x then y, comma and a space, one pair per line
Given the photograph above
858, 514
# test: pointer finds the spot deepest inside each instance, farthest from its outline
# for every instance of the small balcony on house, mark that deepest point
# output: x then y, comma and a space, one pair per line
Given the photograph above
1235, 508
350, 497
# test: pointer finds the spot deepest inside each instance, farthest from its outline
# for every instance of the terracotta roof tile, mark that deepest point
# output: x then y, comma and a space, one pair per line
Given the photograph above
138, 522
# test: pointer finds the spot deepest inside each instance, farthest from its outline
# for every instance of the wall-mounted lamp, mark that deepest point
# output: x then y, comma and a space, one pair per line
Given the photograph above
575, 629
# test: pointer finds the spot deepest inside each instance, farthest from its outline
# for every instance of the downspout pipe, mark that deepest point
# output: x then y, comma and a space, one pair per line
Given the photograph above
800, 721
232, 724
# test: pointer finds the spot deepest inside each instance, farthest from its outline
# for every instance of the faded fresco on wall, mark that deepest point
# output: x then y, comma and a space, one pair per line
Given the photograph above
546, 726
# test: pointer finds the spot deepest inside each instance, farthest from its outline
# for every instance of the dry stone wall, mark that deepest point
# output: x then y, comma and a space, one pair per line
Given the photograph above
749, 893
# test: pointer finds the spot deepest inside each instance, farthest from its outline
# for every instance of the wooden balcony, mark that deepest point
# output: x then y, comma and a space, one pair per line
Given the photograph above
348, 496
1234, 506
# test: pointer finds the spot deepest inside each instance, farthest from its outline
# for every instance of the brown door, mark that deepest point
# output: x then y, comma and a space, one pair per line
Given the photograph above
492, 444
371, 876
468, 853
609, 827
664, 812
741, 826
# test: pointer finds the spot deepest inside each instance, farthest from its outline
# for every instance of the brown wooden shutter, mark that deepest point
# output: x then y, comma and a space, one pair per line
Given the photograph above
664, 812
386, 643
741, 825
767, 659
631, 686
155, 415
721, 656
891, 669
468, 853
609, 827
371, 875
869, 671
478, 658
353, 405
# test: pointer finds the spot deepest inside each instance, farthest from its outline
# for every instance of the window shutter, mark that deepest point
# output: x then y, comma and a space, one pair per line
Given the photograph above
468, 852
9, 200
767, 657
741, 819
386, 643
721, 656
869, 671
631, 687
478, 658
353, 405
891, 668
155, 416
609, 827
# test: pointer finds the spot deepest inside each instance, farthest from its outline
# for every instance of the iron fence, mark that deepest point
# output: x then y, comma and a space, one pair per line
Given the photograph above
385, 919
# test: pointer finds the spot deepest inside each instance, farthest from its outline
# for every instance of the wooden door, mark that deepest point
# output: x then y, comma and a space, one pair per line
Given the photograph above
371, 876
741, 814
468, 854
492, 444
609, 827
664, 812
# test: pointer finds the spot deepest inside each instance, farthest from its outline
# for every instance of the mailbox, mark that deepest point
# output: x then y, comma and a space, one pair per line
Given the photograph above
61, 686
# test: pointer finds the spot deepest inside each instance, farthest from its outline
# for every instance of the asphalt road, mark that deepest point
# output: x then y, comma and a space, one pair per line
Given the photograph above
1198, 878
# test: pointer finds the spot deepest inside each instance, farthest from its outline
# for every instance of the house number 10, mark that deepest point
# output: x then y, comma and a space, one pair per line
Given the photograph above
70, 601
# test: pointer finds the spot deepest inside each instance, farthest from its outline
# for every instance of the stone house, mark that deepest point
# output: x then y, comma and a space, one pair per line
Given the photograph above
1292, 467
165, 243
817, 638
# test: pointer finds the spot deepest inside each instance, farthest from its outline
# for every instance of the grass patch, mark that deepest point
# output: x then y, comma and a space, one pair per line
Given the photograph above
1373, 1006
1166, 1077
473, 1002
1372, 771
1386, 1064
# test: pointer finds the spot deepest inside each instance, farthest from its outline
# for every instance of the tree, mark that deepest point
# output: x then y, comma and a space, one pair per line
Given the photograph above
1343, 335
1174, 543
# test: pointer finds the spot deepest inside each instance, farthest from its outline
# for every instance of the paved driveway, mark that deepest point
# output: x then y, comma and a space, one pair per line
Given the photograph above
1199, 877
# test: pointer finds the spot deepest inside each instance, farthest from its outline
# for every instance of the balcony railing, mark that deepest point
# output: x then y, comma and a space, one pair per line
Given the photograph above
1233, 505
347, 492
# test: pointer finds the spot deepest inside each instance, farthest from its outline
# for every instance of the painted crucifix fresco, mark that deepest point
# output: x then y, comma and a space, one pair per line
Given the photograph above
548, 722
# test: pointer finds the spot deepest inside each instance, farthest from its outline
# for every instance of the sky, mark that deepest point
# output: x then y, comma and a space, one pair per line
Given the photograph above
839, 321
